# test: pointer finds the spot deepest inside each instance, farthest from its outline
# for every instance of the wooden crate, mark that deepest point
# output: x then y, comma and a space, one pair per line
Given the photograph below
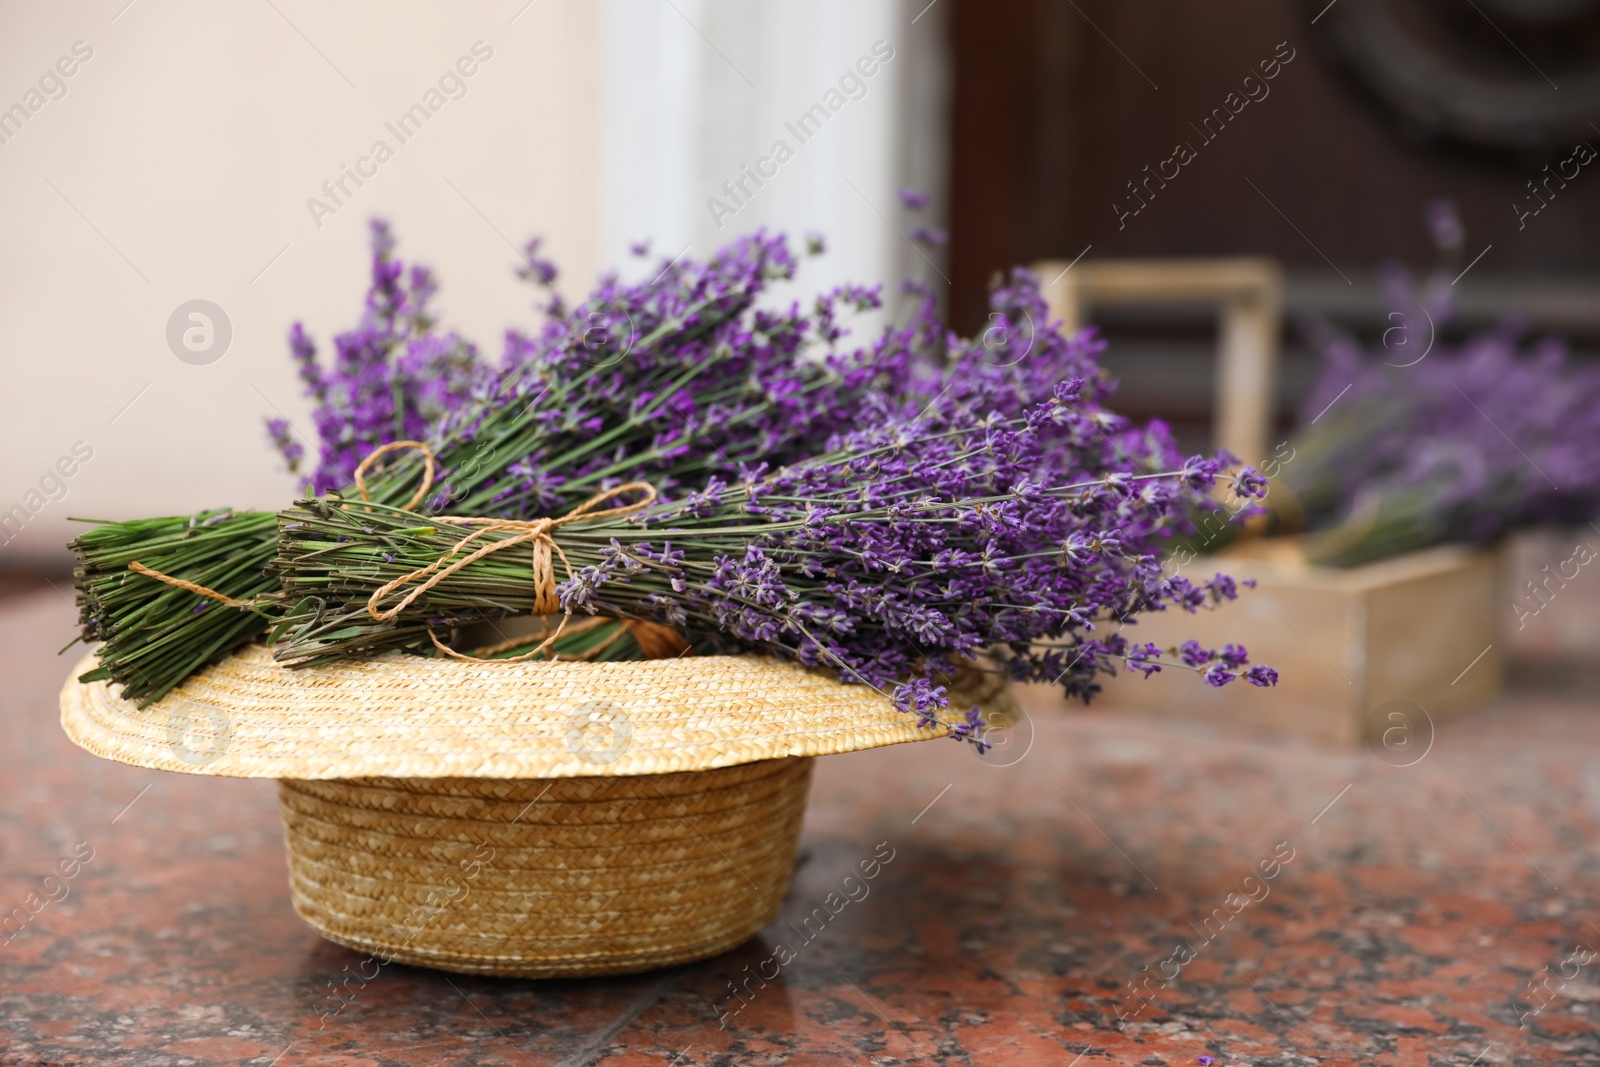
1424, 628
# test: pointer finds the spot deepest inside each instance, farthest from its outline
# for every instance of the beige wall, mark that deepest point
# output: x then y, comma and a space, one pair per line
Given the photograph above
178, 165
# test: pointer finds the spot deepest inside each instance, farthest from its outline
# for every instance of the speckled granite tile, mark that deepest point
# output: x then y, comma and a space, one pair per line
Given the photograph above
1069, 905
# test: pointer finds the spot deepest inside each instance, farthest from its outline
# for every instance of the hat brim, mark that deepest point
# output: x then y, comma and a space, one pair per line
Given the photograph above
406, 716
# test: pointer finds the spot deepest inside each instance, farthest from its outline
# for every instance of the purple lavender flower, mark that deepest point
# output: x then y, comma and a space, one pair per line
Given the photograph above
392, 378
1233, 656
1250, 483
1142, 658
538, 269
1444, 224
1261, 675
1200, 473
291, 450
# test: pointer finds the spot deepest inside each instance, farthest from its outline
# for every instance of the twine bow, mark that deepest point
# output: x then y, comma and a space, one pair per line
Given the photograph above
537, 533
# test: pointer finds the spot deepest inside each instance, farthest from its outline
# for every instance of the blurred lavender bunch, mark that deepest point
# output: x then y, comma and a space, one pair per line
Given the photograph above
1432, 443
392, 378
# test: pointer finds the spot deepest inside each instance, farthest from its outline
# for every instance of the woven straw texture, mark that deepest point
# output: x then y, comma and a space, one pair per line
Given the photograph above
545, 879
409, 717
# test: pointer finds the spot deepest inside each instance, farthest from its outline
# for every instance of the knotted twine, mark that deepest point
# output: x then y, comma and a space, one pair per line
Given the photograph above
653, 640
537, 533
429, 467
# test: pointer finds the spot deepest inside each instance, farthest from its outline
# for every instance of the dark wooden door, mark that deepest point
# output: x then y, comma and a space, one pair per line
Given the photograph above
1059, 104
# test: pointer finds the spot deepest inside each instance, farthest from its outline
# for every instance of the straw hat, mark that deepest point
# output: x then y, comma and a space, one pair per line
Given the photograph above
405, 716
419, 827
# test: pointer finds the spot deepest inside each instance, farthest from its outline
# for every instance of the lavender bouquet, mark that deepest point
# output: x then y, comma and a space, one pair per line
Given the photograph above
997, 506
1407, 447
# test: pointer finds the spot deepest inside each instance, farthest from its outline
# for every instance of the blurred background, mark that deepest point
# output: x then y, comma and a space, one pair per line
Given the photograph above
187, 155
156, 154
1386, 105
1337, 236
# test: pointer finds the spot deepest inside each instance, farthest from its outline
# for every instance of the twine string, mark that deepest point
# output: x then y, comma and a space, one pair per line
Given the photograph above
537, 534
429, 468
223, 598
